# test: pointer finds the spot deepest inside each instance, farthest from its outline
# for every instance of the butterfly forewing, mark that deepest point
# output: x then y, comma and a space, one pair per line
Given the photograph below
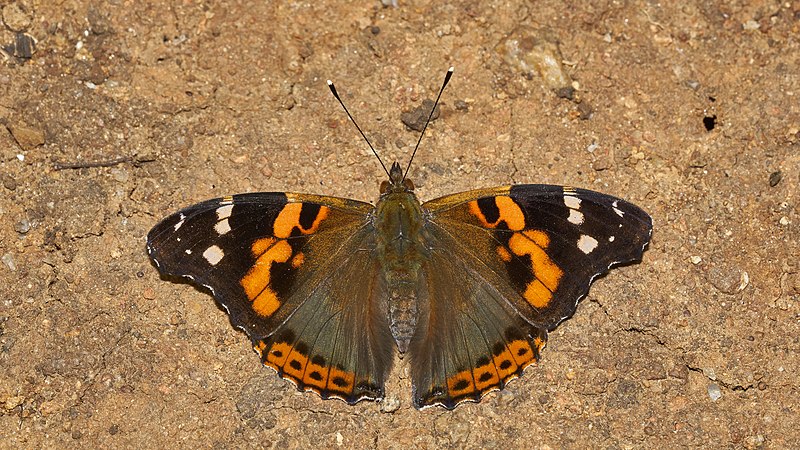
541, 245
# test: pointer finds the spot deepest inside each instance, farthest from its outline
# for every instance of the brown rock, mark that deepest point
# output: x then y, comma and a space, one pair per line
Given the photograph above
27, 137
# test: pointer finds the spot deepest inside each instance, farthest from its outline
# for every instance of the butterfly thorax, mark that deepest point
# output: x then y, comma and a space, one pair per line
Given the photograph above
401, 250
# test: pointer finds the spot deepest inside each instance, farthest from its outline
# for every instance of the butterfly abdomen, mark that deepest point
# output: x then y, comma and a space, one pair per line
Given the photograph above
401, 250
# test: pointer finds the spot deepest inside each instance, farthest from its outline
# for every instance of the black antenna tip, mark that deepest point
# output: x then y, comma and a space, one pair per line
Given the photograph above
333, 89
448, 75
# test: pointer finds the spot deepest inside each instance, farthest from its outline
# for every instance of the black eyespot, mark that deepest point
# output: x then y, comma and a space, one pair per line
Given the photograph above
461, 385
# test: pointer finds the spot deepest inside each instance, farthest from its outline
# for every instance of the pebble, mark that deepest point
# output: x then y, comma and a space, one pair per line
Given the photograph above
531, 51
9, 182
22, 226
8, 260
696, 259
27, 137
714, 392
775, 178
729, 280
17, 16
390, 405
416, 118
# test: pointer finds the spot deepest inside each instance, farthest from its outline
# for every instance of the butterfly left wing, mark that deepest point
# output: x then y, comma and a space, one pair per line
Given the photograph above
507, 265
543, 244
297, 273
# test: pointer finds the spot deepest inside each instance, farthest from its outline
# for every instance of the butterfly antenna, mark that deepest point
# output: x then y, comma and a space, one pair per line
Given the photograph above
336, 94
430, 116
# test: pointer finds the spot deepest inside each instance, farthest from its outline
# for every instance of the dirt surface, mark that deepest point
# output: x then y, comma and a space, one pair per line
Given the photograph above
691, 112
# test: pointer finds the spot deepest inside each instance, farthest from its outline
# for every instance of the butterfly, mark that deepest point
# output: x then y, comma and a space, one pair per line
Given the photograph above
466, 285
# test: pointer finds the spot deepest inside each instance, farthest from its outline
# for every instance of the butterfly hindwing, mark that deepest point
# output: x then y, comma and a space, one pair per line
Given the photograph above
470, 341
278, 264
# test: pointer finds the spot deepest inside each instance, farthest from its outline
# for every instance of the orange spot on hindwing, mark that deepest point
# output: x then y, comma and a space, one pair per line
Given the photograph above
340, 381
461, 384
486, 375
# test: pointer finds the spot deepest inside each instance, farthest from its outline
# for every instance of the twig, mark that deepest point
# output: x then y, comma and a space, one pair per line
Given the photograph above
92, 164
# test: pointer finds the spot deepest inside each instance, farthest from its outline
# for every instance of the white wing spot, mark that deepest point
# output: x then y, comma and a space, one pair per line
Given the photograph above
223, 212
587, 244
222, 227
214, 254
188, 252
572, 202
180, 222
575, 217
615, 207
611, 239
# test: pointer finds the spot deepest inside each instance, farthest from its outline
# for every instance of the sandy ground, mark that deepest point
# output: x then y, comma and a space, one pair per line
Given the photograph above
692, 112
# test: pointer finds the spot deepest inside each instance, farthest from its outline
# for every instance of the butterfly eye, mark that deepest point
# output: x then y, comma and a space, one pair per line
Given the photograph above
384, 186
408, 184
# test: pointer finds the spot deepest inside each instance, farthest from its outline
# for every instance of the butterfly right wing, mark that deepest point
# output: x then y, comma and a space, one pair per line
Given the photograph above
295, 272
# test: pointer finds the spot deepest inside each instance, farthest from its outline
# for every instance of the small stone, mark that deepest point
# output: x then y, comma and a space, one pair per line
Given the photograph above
9, 182
762, 386
751, 25
756, 441
585, 111
714, 392
784, 221
13, 402
567, 92
28, 137
113, 429
775, 178
416, 118
390, 405
536, 51
22, 226
18, 15
8, 260
23, 47
461, 105
149, 294
696, 260
729, 280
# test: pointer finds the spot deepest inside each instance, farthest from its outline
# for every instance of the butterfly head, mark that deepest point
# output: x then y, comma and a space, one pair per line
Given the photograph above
397, 181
